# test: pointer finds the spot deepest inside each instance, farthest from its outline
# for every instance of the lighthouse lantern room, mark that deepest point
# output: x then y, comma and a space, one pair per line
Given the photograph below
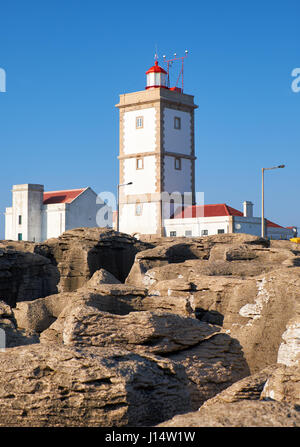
156, 77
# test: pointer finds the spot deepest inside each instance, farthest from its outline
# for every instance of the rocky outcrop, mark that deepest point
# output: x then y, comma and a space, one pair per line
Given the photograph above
39, 314
66, 386
283, 385
244, 413
289, 349
10, 335
79, 253
25, 276
212, 361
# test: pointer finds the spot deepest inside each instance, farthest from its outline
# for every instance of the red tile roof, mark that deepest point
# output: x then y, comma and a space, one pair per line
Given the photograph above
66, 196
214, 211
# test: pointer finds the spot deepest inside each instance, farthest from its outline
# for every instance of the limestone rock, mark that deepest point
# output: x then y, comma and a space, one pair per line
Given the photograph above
10, 335
25, 276
211, 366
244, 413
80, 252
39, 314
47, 386
283, 385
289, 349
102, 276
154, 332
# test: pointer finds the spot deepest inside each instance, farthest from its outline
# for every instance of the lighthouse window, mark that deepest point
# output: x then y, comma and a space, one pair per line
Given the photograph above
139, 163
20, 219
139, 123
138, 209
178, 164
177, 122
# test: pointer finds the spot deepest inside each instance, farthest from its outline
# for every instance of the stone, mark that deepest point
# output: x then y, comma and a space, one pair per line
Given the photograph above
80, 252
289, 349
211, 366
102, 276
283, 385
10, 335
153, 332
243, 413
39, 314
25, 276
63, 386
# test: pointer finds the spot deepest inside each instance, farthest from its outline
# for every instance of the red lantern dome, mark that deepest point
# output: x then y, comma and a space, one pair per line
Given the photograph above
156, 77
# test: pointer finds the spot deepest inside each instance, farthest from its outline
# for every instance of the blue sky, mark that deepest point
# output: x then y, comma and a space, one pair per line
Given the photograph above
67, 62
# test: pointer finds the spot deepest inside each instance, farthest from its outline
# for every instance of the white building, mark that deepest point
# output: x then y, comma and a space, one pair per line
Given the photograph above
206, 220
156, 153
36, 215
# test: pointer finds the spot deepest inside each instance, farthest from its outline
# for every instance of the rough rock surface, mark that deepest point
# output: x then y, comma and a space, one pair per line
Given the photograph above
102, 276
63, 386
10, 335
25, 275
283, 385
244, 413
152, 332
39, 314
80, 252
212, 361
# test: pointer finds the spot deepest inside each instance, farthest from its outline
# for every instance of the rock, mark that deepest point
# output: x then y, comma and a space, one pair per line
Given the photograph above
178, 250
39, 314
47, 386
211, 366
283, 385
289, 349
25, 276
249, 388
10, 335
102, 276
244, 413
80, 252
152, 332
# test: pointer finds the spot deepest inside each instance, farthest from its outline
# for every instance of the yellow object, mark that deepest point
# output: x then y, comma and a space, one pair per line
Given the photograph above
295, 239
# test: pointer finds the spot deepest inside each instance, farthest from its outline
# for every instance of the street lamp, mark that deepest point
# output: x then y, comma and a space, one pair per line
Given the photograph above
263, 198
118, 205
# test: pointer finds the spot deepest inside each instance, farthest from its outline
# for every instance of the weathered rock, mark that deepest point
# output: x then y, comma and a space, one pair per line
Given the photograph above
249, 388
283, 385
289, 349
25, 276
154, 332
10, 335
244, 413
102, 276
79, 253
178, 250
39, 314
211, 366
63, 386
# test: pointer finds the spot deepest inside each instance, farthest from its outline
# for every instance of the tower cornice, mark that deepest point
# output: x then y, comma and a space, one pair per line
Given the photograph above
156, 95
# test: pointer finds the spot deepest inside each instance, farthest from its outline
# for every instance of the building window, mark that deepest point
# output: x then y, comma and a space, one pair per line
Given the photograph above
221, 231
172, 233
139, 122
139, 163
20, 237
204, 232
20, 219
188, 233
178, 164
177, 122
138, 209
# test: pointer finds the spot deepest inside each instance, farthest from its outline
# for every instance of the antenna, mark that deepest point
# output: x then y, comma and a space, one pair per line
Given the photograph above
170, 62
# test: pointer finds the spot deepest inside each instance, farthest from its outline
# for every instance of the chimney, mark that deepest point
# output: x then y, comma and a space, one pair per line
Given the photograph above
248, 209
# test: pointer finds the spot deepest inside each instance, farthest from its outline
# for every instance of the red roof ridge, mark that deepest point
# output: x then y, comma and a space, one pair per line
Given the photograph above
62, 196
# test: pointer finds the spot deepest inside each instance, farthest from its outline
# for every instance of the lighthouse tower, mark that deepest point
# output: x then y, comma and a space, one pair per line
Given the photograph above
156, 156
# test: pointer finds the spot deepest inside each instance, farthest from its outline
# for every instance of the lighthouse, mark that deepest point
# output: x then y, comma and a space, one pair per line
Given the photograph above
156, 154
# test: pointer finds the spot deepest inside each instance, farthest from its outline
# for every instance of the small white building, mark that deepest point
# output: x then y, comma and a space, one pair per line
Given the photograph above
206, 220
36, 215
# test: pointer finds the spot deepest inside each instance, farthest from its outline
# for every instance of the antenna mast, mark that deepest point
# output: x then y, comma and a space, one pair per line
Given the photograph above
170, 62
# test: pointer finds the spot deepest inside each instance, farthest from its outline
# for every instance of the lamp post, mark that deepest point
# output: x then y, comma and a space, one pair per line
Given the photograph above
118, 205
263, 198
